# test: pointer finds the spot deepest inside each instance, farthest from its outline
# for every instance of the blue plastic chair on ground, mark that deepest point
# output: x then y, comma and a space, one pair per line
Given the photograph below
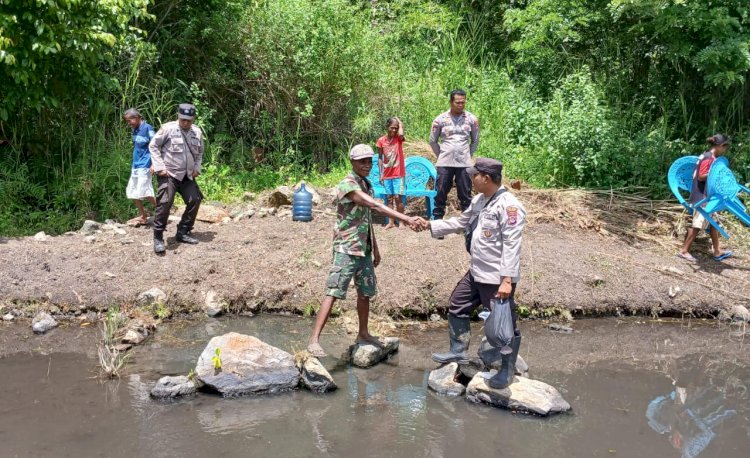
418, 173
419, 170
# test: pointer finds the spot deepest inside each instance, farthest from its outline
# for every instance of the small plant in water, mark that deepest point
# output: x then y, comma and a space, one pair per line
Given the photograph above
217, 359
191, 375
111, 360
309, 310
161, 311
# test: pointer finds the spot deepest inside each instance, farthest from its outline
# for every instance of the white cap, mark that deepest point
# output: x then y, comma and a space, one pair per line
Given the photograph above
361, 152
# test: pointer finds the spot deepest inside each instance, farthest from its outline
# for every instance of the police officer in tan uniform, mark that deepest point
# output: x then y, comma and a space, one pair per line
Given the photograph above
495, 220
176, 155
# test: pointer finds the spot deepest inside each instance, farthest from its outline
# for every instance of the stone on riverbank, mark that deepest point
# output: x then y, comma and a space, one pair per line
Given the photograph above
41, 237
523, 395
8, 317
248, 366
172, 387
42, 323
154, 295
443, 380
90, 227
314, 376
735, 313
367, 355
214, 304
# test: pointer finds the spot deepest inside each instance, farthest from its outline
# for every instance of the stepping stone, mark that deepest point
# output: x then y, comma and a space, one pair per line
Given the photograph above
523, 395
314, 376
443, 380
368, 355
245, 365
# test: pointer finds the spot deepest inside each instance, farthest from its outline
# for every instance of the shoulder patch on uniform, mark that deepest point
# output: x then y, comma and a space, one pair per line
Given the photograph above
512, 214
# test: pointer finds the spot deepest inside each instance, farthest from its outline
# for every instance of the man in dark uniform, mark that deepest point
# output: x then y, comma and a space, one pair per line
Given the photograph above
176, 155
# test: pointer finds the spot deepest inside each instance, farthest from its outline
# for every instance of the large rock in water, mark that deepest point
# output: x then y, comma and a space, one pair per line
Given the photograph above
248, 366
523, 395
367, 355
172, 387
315, 377
443, 380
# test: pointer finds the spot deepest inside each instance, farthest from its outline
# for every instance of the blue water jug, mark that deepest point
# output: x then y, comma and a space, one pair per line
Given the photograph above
302, 204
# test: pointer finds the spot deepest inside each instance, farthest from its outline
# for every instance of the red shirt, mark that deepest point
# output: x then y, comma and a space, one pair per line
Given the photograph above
705, 165
391, 152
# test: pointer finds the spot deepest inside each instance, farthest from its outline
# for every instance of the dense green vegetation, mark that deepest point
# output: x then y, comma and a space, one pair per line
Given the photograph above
594, 93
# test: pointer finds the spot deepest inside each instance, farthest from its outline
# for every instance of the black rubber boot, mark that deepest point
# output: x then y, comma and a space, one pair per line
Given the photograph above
459, 330
505, 377
159, 246
183, 237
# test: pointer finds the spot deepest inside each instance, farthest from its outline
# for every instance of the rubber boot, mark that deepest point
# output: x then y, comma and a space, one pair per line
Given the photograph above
505, 377
183, 237
459, 330
159, 246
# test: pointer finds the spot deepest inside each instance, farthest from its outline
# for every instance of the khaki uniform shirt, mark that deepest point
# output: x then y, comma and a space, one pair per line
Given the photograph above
459, 139
496, 241
170, 152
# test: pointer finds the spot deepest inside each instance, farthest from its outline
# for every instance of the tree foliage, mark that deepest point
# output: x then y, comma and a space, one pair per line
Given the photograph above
52, 50
569, 92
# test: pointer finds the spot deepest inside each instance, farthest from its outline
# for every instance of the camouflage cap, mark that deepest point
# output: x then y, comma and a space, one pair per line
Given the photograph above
361, 152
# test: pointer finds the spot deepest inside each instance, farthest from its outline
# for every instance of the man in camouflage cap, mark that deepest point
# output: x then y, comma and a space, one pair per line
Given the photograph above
176, 155
355, 251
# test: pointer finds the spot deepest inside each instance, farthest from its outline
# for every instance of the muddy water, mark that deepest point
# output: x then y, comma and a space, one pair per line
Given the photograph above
637, 388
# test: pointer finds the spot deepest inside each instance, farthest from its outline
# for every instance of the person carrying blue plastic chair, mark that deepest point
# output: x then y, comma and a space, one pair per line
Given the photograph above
698, 199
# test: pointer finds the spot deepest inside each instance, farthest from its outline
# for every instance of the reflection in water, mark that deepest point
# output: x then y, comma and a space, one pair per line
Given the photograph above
699, 403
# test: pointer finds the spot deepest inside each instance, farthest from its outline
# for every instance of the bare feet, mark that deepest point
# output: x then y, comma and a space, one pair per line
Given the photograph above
316, 350
390, 226
369, 339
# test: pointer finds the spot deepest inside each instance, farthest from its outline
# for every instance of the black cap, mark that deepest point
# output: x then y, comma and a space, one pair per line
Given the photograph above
186, 111
487, 166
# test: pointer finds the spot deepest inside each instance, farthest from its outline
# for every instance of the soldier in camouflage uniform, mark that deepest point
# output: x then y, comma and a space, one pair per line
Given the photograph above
355, 251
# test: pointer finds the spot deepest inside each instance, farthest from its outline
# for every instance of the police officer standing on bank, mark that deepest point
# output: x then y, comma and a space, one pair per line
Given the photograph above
454, 138
493, 225
176, 155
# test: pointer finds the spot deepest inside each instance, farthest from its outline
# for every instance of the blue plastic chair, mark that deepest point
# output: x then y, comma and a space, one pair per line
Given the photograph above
722, 194
680, 178
418, 172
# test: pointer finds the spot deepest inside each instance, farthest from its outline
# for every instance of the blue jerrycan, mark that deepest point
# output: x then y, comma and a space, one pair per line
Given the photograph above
302, 204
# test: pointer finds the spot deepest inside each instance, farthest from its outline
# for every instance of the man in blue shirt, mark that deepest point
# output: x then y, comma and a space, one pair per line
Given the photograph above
140, 186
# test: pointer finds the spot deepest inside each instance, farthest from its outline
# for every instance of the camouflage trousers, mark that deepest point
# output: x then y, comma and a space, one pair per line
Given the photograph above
344, 268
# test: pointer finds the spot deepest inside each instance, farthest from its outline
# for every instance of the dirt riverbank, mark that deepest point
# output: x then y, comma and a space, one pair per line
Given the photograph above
271, 263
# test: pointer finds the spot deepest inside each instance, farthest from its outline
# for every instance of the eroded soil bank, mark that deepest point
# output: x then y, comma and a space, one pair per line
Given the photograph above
272, 263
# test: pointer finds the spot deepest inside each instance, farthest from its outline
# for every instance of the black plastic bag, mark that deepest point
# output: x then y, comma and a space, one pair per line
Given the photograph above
498, 327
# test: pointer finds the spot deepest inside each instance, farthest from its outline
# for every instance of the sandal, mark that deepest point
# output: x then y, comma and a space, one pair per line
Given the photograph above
723, 256
687, 257
316, 350
137, 221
